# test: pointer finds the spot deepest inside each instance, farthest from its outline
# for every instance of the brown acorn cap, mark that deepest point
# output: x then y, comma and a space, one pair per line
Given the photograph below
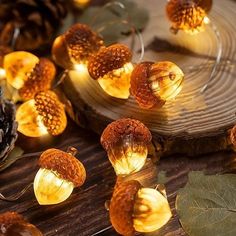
8, 218
233, 136
118, 129
60, 53
52, 111
40, 79
108, 59
122, 206
82, 42
140, 89
189, 12
66, 165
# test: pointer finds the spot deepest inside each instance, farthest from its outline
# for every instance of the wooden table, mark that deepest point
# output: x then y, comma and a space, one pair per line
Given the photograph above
84, 213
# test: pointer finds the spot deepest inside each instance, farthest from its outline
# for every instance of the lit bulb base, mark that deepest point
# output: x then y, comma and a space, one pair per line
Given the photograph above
117, 82
128, 157
50, 188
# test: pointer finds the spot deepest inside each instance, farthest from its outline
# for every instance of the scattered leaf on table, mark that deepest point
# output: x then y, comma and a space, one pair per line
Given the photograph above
207, 205
13, 156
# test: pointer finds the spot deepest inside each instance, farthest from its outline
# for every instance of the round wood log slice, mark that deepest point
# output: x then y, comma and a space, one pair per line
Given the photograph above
195, 122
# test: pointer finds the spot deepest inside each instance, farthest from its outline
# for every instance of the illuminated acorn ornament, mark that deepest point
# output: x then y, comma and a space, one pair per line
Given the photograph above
152, 84
3, 51
75, 46
135, 208
126, 142
188, 15
112, 68
13, 224
44, 114
60, 172
28, 74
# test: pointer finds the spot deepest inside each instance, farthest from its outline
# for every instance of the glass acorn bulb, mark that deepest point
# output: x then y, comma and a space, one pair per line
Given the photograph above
3, 51
137, 209
126, 142
152, 84
188, 15
44, 114
17, 65
13, 224
112, 68
60, 172
75, 46
81, 3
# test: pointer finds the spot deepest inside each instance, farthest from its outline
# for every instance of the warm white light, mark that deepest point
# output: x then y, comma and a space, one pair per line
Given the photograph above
49, 188
206, 20
81, 68
2, 73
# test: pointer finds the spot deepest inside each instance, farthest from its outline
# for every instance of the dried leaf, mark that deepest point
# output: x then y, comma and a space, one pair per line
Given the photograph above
207, 205
14, 155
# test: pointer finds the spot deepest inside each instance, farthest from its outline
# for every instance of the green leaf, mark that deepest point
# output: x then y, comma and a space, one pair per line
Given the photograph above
207, 205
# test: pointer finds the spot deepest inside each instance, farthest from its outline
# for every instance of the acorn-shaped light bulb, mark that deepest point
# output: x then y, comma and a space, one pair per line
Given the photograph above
152, 84
3, 51
188, 15
75, 46
13, 224
137, 209
126, 142
112, 68
28, 74
60, 172
17, 65
44, 114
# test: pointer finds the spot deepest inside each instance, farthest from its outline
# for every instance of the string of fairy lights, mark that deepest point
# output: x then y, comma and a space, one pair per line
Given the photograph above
133, 208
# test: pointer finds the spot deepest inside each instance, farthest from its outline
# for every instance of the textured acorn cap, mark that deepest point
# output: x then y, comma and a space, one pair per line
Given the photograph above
188, 12
122, 206
9, 218
140, 89
82, 42
39, 79
66, 165
52, 111
108, 59
117, 130
233, 136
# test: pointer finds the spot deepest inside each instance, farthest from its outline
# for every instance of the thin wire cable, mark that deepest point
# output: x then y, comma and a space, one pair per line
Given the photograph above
17, 196
133, 29
102, 230
218, 58
14, 37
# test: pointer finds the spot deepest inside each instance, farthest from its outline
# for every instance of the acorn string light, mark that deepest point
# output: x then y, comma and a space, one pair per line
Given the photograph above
60, 172
43, 115
126, 142
152, 84
188, 15
233, 136
28, 73
13, 224
112, 68
73, 48
134, 208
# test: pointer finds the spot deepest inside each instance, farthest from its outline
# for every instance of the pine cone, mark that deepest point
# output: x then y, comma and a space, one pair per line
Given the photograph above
37, 21
8, 127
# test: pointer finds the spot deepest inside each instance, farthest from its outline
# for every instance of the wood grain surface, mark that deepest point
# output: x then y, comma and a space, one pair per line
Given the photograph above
193, 119
84, 213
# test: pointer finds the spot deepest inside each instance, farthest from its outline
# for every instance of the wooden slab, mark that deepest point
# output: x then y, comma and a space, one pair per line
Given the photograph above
194, 123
